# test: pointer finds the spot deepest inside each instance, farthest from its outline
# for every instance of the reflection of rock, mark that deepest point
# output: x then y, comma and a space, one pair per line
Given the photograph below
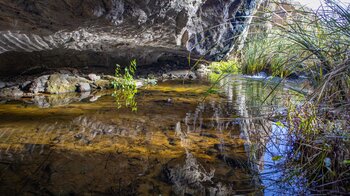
187, 175
45, 101
235, 161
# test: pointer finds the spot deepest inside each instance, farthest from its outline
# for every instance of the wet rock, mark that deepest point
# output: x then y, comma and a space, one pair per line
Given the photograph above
202, 71
11, 92
109, 77
39, 84
83, 80
181, 74
262, 74
139, 84
26, 85
61, 83
149, 81
103, 84
84, 87
94, 77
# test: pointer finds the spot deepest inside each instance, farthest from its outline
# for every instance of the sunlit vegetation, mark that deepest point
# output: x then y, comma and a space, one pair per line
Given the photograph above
125, 87
220, 69
317, 45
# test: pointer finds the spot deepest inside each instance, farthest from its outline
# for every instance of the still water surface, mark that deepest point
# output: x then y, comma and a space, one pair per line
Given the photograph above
180, 141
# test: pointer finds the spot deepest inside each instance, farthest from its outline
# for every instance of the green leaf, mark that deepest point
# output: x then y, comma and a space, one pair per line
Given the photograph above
346, 162
212, 91
276, 158
280, 124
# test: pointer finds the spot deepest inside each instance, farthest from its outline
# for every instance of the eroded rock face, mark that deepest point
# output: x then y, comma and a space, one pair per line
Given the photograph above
102, 33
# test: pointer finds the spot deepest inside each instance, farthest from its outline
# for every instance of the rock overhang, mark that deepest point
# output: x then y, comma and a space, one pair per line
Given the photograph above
43, 33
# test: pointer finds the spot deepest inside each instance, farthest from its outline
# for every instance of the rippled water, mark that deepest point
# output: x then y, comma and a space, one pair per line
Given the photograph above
181, 141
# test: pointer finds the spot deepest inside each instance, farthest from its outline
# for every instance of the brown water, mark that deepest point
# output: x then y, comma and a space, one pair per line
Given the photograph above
176, 142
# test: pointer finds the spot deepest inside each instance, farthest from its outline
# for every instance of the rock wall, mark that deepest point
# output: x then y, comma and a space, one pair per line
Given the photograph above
41, 33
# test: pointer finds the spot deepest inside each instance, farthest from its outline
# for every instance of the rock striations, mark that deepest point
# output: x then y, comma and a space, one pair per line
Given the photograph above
76, 33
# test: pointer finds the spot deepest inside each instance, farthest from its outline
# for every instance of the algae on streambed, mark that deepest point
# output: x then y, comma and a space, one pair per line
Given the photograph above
174, 143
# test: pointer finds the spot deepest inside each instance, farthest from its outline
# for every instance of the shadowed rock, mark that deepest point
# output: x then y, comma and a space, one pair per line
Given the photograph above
80, 33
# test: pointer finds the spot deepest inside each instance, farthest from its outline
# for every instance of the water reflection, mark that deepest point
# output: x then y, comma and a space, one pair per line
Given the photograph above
173, 144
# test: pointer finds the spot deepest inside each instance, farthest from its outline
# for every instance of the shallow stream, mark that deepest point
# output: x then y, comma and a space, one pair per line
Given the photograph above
182, 140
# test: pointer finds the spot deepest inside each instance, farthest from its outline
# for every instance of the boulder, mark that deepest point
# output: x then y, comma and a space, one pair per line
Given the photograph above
94, 77
39, 84
61, 83
202, 71
84, 87
11, 92
26, 85
103, 84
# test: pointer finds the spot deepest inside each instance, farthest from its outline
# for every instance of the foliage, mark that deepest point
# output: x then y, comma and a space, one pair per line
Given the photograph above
268, 52
220, 69
320, 146
316, 44
230, 66
125, 87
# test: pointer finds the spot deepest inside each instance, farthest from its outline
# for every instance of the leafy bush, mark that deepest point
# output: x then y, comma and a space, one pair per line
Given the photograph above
225, 67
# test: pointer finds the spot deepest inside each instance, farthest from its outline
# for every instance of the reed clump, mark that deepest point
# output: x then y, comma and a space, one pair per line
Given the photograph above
316, 44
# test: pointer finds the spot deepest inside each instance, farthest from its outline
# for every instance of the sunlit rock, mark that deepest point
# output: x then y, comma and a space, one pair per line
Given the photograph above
14, 92
83, 87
